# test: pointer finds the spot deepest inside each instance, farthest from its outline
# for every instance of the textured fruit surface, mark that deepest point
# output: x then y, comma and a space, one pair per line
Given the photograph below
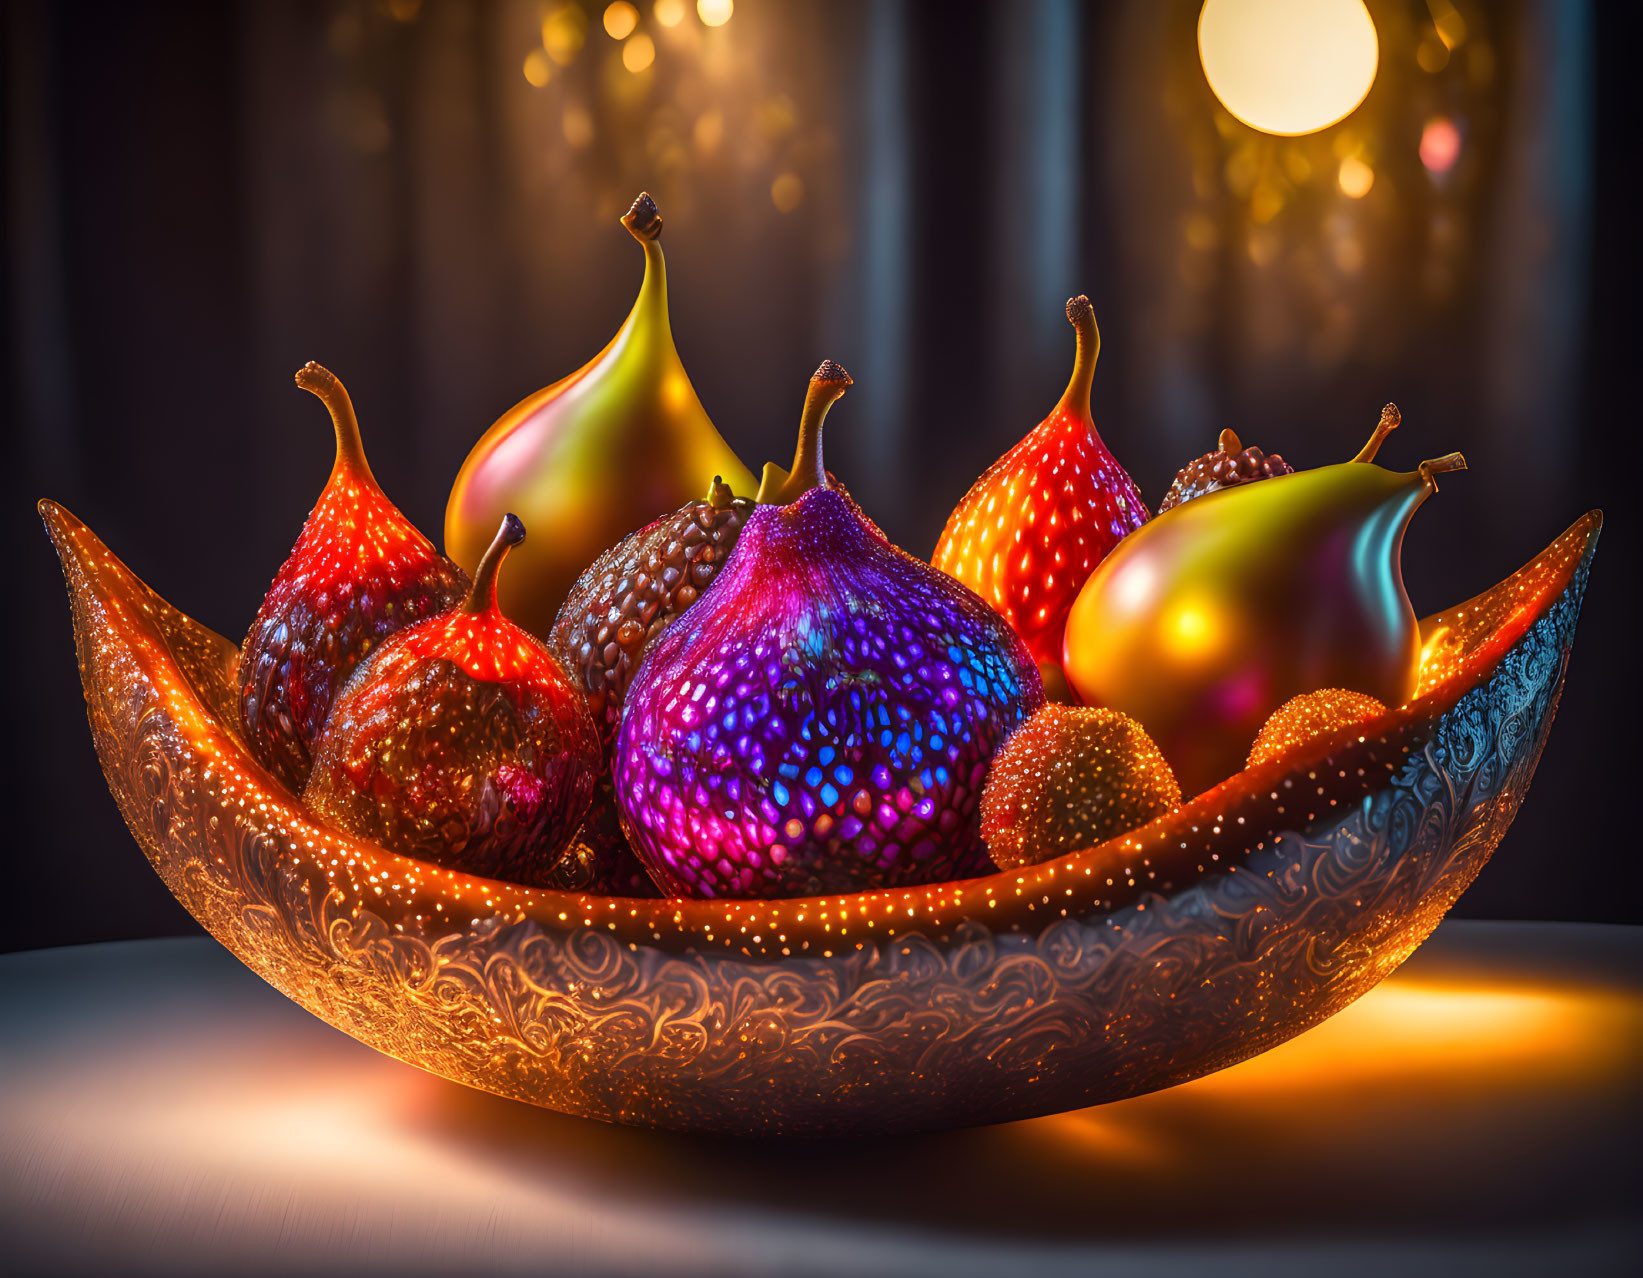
1208, 619
1072, 777
634, 590
1032, 528
461, 741
821, 721
1228, 466
1312, 714
590, 458
600, 861
359, 572
822, 718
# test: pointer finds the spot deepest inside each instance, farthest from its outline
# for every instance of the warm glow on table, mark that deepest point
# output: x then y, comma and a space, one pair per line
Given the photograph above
1481, 1106
1288, 66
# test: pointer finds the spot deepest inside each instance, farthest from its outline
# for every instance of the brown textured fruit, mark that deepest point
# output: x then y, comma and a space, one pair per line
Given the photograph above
640, 586
462, 742
1310, 715
1069, 778
359, 572
1228, 466
634, 590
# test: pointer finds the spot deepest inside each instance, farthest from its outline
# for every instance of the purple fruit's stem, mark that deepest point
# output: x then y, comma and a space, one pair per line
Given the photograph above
482, 594
1390, 418
780, 487
1076, 398
318, 380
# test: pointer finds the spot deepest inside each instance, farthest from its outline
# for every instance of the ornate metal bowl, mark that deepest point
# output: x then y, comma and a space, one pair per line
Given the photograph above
1243, 918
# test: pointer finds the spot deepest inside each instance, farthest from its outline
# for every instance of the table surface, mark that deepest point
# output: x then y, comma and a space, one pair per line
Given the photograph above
163, 1111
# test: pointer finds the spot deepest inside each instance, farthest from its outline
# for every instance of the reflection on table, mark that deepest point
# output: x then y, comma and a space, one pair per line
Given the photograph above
164, 1110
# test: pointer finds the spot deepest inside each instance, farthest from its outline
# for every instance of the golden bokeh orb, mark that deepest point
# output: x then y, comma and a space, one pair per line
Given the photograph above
1288, 66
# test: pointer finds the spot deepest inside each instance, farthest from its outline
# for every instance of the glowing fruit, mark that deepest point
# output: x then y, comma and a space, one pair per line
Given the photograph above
1044, 515
359, 571
593, 456
1228, 466
1204, 622
461, 741
1312, 714
1072, 777
822, 718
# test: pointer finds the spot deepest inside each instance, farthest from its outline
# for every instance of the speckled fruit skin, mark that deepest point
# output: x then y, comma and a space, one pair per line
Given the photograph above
359, 572
484, 763
1072, 777
333, 600
1230, 465
821, 720
633, 592
1040, 518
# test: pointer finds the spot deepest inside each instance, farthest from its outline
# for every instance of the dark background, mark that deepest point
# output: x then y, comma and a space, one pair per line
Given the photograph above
201, 197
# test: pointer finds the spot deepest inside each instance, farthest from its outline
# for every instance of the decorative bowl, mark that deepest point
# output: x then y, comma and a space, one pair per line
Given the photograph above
1253, 912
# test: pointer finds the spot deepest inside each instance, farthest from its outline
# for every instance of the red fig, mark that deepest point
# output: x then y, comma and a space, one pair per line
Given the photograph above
360, 571
461, 741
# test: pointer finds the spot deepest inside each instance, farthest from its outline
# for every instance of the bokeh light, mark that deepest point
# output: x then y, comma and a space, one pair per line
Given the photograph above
638, 52
536, 68
1440, 144
1288, 66
563, 32
1355, 177
715, 13
620, 19
670, 13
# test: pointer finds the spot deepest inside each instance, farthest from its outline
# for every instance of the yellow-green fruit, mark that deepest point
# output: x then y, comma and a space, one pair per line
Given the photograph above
592, 457
1205, 620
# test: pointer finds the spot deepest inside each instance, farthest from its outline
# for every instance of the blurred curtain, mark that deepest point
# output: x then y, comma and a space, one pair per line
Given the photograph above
201, 197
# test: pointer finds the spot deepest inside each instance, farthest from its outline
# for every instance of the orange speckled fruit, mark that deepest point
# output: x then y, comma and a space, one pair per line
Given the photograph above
1033, 526
1072, 777
1310, 715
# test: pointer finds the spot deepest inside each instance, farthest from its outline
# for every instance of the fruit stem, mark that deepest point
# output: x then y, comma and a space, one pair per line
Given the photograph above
1076, 398
1390, 418
644, 223
1441, 466
719, 494
1231, 445
643, 219
482, 594
318, 380
779, 487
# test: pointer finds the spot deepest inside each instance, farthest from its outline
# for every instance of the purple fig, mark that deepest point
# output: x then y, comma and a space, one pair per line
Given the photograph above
821, 719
